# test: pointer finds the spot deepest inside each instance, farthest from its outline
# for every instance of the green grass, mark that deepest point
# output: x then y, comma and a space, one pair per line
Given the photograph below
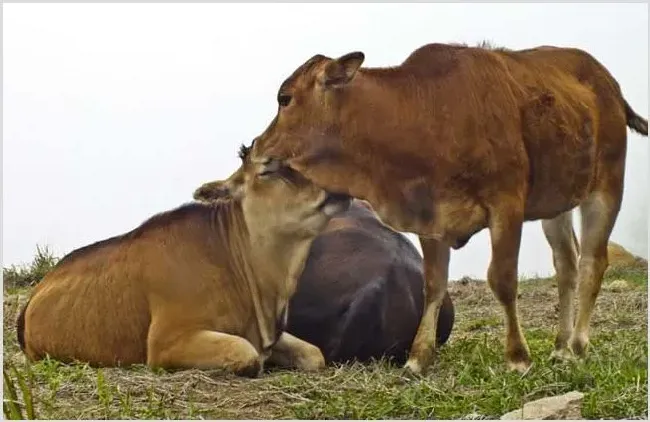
468, 379
18, 276
636, 273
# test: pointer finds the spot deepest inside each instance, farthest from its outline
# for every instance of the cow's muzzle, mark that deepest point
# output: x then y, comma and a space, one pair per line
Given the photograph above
340, 200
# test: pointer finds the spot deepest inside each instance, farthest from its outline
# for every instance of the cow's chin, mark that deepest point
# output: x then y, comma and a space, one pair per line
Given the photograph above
334, 203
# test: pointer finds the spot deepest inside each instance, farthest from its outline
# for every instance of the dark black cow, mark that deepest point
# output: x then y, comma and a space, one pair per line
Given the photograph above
361, 292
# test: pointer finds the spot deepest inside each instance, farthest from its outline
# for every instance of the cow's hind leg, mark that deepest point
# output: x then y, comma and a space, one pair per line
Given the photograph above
204, 349
292, 352
599, 212
436, 271
562, 239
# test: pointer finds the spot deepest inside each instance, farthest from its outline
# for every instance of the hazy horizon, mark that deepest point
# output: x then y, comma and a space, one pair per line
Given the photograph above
115, 112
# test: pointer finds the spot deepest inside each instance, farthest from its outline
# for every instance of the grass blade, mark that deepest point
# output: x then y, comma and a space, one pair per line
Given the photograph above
26, 392
10, 406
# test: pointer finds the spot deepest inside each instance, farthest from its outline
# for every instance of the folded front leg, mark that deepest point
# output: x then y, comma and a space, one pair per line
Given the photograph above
204, 349
292, 352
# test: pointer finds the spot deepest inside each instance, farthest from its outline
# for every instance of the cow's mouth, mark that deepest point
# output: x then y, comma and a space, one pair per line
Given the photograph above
339, 201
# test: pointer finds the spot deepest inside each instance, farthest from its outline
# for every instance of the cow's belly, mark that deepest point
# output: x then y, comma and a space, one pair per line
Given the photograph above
452, 221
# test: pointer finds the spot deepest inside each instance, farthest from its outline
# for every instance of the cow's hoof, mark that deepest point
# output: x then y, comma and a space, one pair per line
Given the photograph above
562, 355
518, 358
521, 366
413, 368
252, 370
579, 346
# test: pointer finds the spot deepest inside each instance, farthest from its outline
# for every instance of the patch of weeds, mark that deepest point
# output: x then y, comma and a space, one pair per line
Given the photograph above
159, 406
48, 370
29, 275
104, 394
480, 323
636, 274
18, 381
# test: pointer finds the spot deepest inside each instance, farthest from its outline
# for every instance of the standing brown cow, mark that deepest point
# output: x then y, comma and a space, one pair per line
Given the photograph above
457, 139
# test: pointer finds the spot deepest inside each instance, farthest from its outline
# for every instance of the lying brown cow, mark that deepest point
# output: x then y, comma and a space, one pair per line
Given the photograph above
618, 256
360, 295
202, 286
457, 139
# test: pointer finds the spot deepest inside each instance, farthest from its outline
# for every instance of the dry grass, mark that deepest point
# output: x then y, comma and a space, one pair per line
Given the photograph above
467, 381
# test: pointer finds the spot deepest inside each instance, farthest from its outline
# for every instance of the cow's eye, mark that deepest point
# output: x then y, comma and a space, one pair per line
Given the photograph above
284, 100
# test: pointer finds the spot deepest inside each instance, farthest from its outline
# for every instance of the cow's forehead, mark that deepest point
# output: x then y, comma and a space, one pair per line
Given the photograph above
304, 69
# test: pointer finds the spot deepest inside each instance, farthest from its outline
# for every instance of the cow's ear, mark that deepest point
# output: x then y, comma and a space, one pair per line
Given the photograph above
341, 71
217, 190
212, 191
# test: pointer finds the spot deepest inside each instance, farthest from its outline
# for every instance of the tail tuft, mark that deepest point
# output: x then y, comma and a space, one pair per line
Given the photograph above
20, 327
634, 121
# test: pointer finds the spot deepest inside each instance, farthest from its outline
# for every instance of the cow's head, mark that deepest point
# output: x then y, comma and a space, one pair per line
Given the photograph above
310, 100
315, 105
274, 197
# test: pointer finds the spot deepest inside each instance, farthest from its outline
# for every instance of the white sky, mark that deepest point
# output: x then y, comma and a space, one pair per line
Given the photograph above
114, 112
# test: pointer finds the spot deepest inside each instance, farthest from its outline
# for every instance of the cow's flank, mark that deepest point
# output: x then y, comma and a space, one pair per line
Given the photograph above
201, 286
457, 139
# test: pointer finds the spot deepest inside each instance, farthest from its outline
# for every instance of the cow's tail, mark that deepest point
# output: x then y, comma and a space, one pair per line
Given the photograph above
634, 121
20, 327
576, 243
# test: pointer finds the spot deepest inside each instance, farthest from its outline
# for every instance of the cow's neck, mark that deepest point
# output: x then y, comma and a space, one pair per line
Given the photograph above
374, 161
278, 262
277, 267
269, 267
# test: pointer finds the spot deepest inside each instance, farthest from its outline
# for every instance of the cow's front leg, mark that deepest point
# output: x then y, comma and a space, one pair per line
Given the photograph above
202, 349
436, 270
291, 352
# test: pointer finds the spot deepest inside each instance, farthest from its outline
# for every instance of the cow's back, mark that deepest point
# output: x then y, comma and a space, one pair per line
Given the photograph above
565, 105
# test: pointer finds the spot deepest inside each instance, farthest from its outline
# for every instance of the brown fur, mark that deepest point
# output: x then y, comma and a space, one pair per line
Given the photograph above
618, 256
201, 286
457, 139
